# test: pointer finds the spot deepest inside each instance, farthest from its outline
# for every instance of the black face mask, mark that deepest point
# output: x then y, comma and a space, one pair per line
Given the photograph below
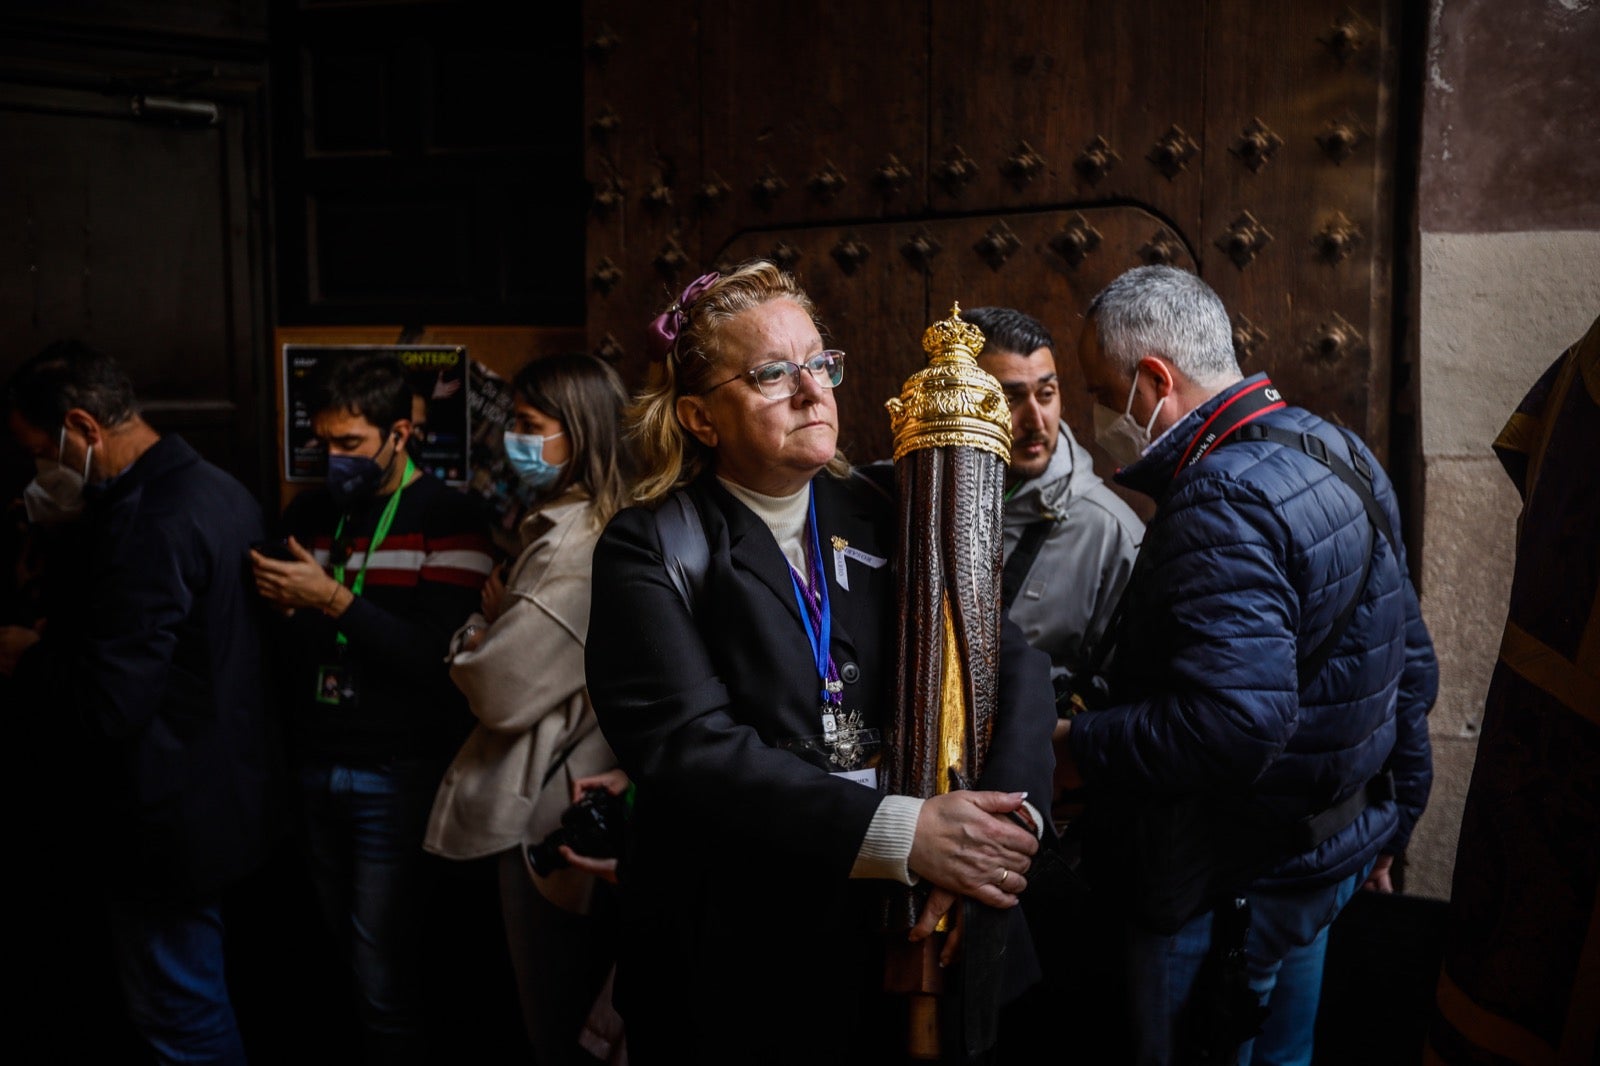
354, 479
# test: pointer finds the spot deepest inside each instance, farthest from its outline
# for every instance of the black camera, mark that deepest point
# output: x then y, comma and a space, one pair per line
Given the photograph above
1074, 695
593, 826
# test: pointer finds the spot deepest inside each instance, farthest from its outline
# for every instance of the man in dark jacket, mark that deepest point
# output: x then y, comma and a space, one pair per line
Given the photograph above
1270, 681
149, 678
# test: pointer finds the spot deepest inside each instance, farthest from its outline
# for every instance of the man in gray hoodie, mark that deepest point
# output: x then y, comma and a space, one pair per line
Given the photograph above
1069, 540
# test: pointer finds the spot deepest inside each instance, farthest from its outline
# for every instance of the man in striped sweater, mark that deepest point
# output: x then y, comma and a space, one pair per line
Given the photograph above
382, 563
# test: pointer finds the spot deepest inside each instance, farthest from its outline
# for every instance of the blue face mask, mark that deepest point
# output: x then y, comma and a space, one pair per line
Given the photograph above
353, 479
525, 451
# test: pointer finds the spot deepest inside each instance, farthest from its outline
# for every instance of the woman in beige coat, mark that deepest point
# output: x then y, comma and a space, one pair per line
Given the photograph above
536, 747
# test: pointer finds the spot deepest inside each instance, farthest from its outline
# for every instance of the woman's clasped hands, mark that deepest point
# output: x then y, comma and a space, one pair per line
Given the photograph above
967, 844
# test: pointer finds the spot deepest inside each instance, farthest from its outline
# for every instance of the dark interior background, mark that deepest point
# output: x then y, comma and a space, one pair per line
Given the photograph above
182, 178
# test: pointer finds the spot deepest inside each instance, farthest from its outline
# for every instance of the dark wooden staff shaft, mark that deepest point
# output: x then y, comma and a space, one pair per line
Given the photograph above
949, 553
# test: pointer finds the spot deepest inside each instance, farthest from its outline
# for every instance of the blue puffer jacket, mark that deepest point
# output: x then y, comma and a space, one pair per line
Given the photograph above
1250, 558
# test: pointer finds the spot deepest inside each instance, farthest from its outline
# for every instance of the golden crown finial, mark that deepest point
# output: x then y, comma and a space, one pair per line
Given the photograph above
952, 401
951, 337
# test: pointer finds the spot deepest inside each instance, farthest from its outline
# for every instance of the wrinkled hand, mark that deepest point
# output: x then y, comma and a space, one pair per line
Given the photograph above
14, 640
613, 781
965, 844
289, 584
940, 901
493, 593
1378, 880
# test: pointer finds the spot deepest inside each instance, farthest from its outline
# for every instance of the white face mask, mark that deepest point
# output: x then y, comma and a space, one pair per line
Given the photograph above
1121, 435
55, 495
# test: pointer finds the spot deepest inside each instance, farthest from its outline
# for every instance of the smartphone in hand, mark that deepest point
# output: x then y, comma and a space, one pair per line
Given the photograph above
275, 549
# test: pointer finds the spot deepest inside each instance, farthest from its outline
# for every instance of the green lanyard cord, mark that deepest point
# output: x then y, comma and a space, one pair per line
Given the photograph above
385, 520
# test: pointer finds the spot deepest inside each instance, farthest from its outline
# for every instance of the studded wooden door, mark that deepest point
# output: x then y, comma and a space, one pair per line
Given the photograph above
904, 155
133, 221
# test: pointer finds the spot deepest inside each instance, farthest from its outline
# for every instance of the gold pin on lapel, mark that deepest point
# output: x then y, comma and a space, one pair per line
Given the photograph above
840, 544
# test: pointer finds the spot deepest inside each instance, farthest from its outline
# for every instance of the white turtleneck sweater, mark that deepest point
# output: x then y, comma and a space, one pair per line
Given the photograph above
784, 515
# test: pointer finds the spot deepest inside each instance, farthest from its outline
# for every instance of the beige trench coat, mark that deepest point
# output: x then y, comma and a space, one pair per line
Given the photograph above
524, 681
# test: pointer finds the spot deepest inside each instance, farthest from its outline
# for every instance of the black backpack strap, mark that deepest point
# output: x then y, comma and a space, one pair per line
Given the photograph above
684, 550
1310, 832
1312, 445
1359, 483
1309, 667
1021, 560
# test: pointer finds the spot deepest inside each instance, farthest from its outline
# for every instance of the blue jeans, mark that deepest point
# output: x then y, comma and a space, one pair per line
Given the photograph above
169, 963
1284, 950
1292, 998
363, 835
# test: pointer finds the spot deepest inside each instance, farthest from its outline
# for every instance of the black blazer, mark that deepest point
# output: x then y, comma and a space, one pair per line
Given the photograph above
741, 922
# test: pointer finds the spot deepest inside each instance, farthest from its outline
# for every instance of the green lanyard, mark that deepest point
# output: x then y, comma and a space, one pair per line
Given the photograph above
385, 520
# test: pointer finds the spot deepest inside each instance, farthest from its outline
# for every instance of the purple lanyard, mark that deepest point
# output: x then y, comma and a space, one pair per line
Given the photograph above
812, 598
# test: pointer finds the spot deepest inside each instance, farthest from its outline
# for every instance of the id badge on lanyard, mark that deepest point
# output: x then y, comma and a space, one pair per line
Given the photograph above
845, 746
336, 685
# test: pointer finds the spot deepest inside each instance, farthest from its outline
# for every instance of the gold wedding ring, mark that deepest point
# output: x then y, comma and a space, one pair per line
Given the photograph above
1004, 873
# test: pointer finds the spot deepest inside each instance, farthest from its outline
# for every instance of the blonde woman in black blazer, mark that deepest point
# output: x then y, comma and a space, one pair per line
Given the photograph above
761, 844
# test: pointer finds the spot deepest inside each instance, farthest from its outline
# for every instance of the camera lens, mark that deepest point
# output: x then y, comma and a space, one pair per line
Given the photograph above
545, 857
593, 826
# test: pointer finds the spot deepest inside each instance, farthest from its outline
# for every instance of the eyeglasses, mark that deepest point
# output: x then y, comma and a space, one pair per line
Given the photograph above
781, 380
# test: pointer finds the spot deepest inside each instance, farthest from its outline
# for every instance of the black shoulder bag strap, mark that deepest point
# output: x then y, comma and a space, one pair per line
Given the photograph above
1021, 560
1361, 485
684, 550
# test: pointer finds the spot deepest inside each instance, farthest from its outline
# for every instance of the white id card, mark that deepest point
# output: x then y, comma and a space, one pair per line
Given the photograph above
868, 777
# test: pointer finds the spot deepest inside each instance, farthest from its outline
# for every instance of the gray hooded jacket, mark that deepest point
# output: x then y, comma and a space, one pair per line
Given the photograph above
1072, 588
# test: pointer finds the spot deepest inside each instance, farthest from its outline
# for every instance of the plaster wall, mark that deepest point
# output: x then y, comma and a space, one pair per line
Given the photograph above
1509, 276
1496, 310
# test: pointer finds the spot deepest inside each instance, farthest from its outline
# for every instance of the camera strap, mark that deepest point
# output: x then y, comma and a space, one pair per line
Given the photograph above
1240, 409
560, 760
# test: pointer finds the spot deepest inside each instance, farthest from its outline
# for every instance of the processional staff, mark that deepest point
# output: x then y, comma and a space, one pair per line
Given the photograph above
952, 443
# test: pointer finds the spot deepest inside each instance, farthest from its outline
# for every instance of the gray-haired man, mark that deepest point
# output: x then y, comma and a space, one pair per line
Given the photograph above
149, 681
1266, 740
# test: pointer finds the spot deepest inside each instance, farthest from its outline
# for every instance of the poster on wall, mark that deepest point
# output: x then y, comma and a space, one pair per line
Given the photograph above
440, 411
